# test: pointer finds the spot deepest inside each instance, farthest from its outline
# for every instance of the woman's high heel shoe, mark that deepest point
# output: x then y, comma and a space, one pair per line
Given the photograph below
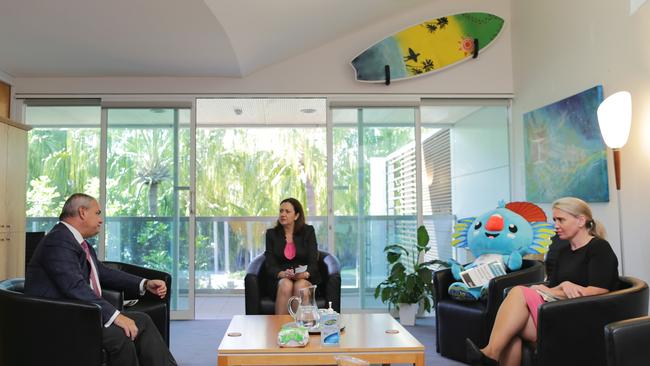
477, 358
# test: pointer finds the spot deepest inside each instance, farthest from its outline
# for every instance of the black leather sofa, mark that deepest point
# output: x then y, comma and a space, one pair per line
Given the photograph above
257, 285
627, 342
457, 320
570, 332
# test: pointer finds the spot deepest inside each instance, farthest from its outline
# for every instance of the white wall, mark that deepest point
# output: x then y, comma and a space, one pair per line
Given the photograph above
326, 69
563, 47
480, 168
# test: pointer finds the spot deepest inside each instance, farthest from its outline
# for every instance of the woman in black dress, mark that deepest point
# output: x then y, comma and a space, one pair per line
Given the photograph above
290, 244
584, 265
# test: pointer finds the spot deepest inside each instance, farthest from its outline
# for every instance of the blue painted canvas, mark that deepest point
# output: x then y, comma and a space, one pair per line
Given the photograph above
565, 152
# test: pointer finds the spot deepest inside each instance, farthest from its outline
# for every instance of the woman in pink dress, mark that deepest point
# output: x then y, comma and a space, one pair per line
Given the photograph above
586, 266
289, 245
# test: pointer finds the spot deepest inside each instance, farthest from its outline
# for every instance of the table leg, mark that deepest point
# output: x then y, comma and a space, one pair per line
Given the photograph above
222, 360
419, 361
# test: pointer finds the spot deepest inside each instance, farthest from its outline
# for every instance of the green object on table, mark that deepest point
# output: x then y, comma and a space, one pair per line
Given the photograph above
293, 337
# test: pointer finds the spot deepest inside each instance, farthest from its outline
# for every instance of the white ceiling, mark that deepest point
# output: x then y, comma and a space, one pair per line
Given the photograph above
227, 38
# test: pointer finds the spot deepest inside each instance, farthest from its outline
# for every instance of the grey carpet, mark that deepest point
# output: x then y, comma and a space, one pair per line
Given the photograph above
195, 342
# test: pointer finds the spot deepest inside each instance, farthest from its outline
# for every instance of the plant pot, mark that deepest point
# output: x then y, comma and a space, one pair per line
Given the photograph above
407, 313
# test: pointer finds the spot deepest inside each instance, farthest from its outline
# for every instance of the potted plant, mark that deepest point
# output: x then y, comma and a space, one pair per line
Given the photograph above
404, 289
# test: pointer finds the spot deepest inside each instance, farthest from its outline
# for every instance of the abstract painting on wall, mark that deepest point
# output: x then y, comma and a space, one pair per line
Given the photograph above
565, 153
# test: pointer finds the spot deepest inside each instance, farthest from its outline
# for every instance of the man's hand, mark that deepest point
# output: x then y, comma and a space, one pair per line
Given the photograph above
157, 287
130, 329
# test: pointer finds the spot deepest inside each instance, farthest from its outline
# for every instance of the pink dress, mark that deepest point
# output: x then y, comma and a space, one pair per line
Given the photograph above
533, 300
290, 250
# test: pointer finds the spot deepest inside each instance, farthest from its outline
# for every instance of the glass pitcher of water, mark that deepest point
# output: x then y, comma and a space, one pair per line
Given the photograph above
306, 314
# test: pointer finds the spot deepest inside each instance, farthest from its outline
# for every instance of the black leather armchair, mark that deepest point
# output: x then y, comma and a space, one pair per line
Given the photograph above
626, 342
37, 331
158, 309
570, 332
457, 320
32, 239
257, 284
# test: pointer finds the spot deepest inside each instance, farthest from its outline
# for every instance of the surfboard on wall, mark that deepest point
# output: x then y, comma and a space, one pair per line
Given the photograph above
427, 47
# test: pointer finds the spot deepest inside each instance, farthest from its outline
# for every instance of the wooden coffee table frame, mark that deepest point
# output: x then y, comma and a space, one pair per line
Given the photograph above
252, 340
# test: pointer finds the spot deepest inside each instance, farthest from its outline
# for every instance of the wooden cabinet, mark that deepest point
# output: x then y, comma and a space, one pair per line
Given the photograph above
4, 233
13, 175
5, 100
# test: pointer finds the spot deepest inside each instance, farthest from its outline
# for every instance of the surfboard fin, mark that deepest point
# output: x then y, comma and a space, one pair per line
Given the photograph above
475, 55
387, 74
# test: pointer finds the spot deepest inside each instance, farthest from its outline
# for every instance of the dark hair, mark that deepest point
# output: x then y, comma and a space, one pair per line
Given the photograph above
72, 204
297, 207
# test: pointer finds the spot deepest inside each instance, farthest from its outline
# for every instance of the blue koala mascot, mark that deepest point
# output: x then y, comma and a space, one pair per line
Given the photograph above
502, 235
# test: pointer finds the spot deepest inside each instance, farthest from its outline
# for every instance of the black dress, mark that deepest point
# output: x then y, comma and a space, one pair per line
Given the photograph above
550, 262
306, 253
594, 264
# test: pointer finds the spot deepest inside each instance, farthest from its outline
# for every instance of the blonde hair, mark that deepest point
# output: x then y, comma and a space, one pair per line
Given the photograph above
577, 207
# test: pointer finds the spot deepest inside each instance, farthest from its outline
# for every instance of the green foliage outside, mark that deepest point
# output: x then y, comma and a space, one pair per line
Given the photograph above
61, 162
241, 172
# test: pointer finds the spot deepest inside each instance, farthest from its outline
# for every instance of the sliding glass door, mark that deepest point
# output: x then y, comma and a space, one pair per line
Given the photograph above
147, 193
251, 154
63, 157
374, 201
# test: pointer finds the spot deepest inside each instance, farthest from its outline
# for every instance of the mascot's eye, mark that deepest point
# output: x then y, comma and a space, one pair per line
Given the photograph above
512, 228
477, 225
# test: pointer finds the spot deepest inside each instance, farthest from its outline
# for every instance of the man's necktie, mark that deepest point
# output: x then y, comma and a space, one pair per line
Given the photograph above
94, 279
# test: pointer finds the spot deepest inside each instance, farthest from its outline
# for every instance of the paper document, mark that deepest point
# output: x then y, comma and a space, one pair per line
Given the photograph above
548, 297
300, 269
481, 275
129, 302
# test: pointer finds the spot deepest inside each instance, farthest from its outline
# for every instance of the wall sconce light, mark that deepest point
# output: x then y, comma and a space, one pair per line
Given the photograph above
615, 120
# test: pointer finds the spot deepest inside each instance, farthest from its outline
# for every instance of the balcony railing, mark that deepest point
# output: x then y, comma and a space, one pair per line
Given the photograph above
226, 245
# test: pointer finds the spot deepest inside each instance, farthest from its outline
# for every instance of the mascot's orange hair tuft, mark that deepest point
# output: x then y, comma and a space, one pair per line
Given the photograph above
527, 210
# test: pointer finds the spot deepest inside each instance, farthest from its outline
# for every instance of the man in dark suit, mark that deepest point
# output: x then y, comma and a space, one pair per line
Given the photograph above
64, 266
